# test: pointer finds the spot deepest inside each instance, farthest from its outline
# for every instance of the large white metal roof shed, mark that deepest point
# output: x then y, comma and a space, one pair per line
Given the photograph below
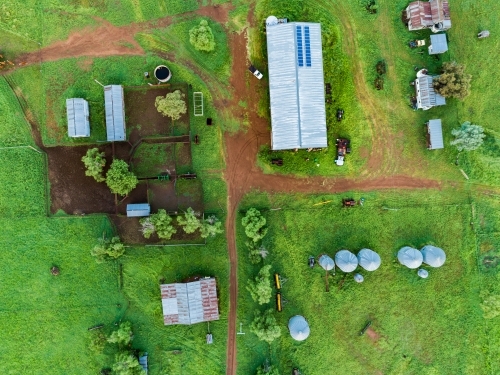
115, 112
77, 112
296, 85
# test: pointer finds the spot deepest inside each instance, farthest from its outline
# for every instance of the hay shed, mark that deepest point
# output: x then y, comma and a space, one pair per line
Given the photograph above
77, 113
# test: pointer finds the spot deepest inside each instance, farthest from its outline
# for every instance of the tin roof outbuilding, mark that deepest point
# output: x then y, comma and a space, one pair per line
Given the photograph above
115, 112
77, 112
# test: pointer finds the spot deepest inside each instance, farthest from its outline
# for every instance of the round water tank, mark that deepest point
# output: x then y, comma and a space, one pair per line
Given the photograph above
162, 73
271, 21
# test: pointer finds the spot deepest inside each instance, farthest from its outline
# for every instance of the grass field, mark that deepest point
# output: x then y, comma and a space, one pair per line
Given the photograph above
432, 326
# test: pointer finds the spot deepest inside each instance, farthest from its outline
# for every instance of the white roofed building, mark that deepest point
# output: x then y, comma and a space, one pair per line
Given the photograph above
190, 303
296, 85
115, 112
77, 112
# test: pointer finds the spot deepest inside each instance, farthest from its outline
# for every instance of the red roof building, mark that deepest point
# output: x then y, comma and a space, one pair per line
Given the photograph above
434, 15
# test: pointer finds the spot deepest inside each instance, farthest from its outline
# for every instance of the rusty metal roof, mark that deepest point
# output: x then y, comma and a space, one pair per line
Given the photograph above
423, 14
190, 303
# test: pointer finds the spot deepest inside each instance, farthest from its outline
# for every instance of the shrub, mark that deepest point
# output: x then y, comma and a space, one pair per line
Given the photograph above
265, 326
254, 224
108, 249
127, 364
119, 179
201, 37
94, 163
122, 336
189, 222
453, 81
210, 227
260, 289
172, 105
468, 137
159, 223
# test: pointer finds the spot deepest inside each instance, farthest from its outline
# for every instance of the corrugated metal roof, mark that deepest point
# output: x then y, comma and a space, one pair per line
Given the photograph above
427, 97
138, 210
190, 303
422, 14
77, 112
435, 130
115, 112
296, 86
439, 44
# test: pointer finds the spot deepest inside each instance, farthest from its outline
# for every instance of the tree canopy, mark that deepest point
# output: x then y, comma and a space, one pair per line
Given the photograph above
256, 252
127, 364
265, 326
254, 223
119, 179
172, 105
201, 37
159, 223
260, 288
267, 370
210, 227
468, 137
94, 163
122, 336
108, 249
189, 221
453, 81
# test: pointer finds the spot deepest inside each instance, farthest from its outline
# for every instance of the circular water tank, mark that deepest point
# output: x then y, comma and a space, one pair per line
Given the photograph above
162, 73
271, 21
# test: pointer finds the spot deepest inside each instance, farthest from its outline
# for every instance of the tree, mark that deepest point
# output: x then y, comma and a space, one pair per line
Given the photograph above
189, 222
171, 105
108, 249
265, 326
267, 370
256, 252
122, 336
201, 37
97, 342
159, 223
127, 364
254, 224
453, 81
210, 227
119, 179
94, 163
468, 137
260, 289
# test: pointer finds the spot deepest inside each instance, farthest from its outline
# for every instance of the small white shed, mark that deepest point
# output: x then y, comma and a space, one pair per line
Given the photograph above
138, 210
439, 44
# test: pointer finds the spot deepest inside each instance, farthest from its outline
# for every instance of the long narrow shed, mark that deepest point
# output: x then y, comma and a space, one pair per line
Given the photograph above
434, 135
138, 210
115, 112
296, 85
77, 112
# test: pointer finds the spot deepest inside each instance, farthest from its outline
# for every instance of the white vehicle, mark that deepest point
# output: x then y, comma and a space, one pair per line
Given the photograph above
255, 72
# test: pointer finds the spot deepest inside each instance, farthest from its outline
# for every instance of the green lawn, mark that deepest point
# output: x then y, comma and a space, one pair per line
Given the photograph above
432, 326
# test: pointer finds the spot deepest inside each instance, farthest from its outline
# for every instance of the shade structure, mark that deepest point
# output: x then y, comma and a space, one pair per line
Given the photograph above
299, 329
369, 259
346, 261
326, 262
433, 256
410, 257
424, 274
358, 278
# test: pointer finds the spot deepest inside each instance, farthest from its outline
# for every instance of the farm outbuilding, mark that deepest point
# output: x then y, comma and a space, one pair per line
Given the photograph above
77, 112
115, 112
299, 328
346, 261
432, 14
138, 210
439, 44
369, 259
410, 257
427, 97
435, 135
326, 262
296, 85
190, 303
433, 256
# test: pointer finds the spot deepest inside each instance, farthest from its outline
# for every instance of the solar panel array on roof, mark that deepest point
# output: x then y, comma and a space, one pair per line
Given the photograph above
115, 112
77, 113
296, 86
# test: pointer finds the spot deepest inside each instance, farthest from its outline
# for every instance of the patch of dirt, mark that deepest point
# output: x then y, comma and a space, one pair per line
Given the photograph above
143, 117
85, 64
162, 195
372, 334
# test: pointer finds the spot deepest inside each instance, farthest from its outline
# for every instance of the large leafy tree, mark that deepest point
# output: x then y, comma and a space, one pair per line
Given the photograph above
468, 137
267, 370
260, 288
201, 37
265, 326
94, 163
119, 179
127, 364
172, 105
122, 336
107, 249
254, 224
453, 81
210, 227
161, 223
189, 221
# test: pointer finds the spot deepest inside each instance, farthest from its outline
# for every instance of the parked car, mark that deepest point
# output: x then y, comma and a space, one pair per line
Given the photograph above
255, 72
340, 114
343, 148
